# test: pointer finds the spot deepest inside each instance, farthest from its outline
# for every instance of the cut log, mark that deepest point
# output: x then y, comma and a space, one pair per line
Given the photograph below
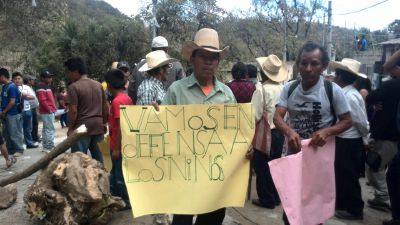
73, 189
45, 160
8, 195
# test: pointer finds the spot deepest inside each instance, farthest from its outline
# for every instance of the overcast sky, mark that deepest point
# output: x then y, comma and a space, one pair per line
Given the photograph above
377, 17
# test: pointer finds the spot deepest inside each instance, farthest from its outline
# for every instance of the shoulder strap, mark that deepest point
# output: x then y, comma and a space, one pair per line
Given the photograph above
292, 87
329, 93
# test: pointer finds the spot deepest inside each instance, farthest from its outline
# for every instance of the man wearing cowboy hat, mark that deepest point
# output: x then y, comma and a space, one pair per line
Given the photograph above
264, 99
175, 71
349, 144
312, 115
152, 90
202, 87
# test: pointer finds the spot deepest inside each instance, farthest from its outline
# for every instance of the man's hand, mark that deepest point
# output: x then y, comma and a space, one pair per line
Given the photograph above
2, 115
250, 153
156, 106
69, 132
116, 154
294, 141
318, 138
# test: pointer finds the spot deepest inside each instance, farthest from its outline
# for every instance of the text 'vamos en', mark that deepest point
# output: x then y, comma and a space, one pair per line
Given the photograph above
186, 142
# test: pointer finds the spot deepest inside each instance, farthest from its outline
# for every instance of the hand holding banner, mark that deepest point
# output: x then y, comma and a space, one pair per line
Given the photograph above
306, 183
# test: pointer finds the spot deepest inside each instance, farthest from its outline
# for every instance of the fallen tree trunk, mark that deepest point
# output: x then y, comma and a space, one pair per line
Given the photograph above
73, 189
45, 160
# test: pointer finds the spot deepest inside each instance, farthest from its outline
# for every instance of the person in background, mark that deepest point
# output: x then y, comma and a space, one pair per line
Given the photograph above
152, 90
116, 86
47, 109
87, 105
384, 131
11, 116
126, 69
175, 72
240, 86
390, 89
62, 104
349, 144
251, 73
27, 94
363, 43
264, 99
364, 86
29, 80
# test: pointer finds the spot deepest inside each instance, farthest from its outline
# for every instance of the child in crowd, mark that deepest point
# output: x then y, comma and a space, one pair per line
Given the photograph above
115, 85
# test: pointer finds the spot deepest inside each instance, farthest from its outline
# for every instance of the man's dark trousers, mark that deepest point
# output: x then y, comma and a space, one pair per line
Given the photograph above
265, 186
35, 125
348, 158
393, 183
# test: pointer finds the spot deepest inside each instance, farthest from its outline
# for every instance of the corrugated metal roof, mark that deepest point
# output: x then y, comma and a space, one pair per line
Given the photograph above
391, 42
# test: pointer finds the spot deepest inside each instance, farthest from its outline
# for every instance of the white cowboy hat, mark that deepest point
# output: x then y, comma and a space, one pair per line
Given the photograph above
206, 39
273, 68
349, 65
156, 59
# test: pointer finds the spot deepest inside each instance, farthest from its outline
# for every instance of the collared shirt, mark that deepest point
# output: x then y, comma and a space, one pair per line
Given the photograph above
242, 89
360, 125
150, 90
188, 91
265, 98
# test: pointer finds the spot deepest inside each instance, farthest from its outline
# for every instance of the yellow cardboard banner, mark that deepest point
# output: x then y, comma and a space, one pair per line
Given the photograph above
186, 159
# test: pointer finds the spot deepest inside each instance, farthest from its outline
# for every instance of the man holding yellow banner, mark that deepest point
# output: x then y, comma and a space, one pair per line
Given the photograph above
201, 87
188, 156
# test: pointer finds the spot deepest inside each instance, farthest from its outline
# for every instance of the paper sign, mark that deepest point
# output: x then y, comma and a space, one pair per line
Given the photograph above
306, 183
186, 159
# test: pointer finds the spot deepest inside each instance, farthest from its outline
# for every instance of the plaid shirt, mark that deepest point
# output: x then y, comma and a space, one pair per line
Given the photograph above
150, 90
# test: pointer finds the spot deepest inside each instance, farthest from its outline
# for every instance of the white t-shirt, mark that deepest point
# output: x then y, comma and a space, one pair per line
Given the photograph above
26, 90
309, 110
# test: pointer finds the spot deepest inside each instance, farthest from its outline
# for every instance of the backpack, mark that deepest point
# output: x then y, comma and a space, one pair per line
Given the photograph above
328, 90
19, 101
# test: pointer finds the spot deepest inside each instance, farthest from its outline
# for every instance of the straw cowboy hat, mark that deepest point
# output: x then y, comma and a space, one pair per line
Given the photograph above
273, 68
349, 65
206, 39
156, 59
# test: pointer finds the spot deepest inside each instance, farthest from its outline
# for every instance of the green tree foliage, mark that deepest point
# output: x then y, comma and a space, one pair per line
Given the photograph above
394, 28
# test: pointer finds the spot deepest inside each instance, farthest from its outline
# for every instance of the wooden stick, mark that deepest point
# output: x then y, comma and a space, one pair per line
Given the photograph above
45, 160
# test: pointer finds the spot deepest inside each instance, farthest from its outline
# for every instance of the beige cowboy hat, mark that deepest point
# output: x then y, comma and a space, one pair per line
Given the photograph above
207, 39
273, 67
156, 59
349, 65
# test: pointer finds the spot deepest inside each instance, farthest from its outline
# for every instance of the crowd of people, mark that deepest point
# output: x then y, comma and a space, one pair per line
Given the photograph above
363, 122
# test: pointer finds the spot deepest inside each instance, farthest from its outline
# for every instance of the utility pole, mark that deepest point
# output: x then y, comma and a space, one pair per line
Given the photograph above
284, 31
155, 23
323, 31
330, 29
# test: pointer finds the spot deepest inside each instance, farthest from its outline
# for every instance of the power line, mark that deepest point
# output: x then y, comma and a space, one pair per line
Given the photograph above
342, 14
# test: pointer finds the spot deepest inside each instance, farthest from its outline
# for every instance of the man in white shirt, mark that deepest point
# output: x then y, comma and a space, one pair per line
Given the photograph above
349, 144
27, 94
